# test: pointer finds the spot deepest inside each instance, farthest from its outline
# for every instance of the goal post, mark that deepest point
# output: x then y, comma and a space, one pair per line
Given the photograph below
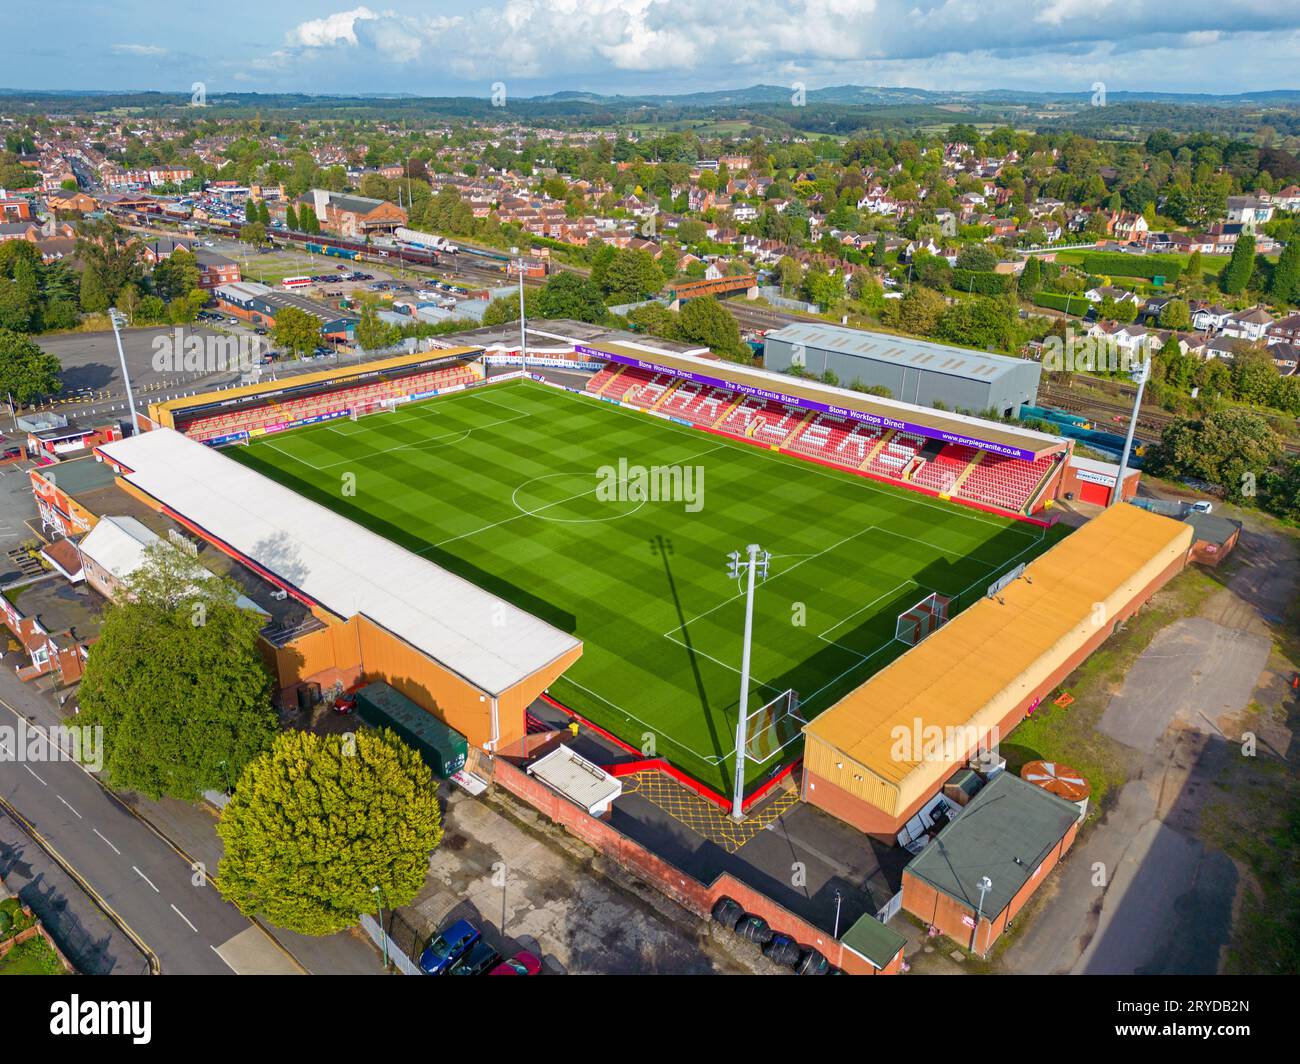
772, 727
923, 619
376, 406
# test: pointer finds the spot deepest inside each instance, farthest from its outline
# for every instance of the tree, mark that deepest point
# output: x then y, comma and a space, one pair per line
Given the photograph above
879, 251
566, 295
917, 312
1231, 448
632, 275
176, 276
176, 680
372, 333
253, 233
1176, 314
1236, 276
290, 217
26, 372
977, 322
263, 213
317, 823
297, 331
978, 257
1285, 285
1031, 277
706, 321
250, 211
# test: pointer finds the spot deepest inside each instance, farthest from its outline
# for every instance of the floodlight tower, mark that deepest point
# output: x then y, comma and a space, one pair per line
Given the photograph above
755, 563
1139, 373
119, 319
523, 344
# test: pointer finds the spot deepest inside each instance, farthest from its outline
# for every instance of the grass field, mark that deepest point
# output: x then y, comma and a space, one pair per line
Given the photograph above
502, 486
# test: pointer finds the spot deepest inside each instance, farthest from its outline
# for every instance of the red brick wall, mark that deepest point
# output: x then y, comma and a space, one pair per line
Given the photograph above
687, 891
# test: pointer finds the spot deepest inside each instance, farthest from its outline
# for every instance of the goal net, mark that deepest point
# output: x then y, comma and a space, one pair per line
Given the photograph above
377, 406
772, 727
928, 615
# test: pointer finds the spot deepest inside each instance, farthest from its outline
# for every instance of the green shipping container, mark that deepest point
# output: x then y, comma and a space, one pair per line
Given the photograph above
444, 749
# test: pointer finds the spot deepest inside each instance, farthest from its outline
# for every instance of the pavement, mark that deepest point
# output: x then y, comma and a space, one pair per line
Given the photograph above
151, 863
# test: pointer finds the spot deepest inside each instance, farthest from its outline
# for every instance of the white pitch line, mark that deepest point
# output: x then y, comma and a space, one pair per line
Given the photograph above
145, 878
109, 844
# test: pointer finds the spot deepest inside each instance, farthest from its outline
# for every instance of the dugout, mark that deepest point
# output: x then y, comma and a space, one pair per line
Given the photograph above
878, 755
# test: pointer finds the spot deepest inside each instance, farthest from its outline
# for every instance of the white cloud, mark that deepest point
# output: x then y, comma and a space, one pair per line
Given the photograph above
138, 49
695, 44
339, 28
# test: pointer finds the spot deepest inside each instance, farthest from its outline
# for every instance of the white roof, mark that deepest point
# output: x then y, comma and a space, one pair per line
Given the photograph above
337, 563
117, 545
577, 779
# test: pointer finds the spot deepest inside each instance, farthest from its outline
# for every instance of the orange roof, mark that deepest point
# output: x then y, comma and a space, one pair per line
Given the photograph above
971, 674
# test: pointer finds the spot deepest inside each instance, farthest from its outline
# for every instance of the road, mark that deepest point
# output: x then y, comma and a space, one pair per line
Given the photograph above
179, 915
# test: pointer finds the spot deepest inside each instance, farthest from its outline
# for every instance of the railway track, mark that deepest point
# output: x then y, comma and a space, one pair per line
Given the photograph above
1114, 416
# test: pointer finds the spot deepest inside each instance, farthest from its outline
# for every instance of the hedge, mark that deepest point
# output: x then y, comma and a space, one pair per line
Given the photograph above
1118, 264
1078, 304
982, 282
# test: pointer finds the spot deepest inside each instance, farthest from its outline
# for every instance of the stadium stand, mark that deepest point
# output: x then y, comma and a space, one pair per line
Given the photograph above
367, 396
1007, 483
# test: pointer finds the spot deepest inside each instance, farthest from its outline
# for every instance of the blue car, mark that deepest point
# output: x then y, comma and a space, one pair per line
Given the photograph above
447, 947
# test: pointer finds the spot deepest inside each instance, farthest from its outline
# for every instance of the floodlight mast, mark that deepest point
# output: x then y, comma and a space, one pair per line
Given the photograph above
119, 319
755, 564
1139, 373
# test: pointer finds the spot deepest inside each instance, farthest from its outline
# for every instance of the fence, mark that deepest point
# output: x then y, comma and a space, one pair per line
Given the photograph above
773, 295
396, 956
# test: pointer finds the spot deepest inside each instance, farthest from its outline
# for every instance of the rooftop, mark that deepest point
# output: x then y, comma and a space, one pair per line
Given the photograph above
1004, 833
340, 565
900, 350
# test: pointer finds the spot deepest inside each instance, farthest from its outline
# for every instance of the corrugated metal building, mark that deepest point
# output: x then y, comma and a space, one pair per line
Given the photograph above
914, 371
880, 753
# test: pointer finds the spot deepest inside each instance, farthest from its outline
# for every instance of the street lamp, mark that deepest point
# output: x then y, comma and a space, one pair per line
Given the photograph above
755, 563
985, 885
383, 935
119, 319
1139, 373
839, 900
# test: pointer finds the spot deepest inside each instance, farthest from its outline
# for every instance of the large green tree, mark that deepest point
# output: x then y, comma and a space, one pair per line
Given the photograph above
566, 295
26, 372
706, 321
318, 822
1236, 275
297, 331
176, 680
1232, 448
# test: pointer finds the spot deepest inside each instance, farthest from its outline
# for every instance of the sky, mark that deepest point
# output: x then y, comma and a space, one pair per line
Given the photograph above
535, 47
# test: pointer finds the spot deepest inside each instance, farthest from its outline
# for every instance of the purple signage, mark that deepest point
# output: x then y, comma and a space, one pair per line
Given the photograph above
810, 404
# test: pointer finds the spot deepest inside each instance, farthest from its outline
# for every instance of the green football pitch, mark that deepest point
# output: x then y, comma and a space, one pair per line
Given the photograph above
517, 488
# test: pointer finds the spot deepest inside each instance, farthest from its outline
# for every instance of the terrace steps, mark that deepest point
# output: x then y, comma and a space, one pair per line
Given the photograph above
667, 394
871, 455
727, 412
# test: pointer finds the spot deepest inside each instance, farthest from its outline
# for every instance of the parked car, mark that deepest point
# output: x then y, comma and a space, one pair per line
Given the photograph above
479, 960
522, 963
346, 702
447, 947
1201, 506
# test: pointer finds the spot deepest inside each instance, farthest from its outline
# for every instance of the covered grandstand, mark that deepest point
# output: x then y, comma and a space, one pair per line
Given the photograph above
953, 456
237, 414
388, 614
876, 757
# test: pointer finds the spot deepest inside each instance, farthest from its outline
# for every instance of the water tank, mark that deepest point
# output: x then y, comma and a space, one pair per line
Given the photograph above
1060, 780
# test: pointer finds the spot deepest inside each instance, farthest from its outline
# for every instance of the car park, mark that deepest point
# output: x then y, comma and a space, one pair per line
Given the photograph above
447, 947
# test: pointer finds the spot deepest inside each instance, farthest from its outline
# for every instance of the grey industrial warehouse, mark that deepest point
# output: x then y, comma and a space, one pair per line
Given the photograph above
914, 371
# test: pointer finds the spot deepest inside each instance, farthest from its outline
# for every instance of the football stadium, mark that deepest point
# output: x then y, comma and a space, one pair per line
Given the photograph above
480, 532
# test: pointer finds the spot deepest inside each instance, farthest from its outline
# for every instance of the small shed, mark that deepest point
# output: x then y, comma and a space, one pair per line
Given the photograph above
876, 943
1213, 537
582, 782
